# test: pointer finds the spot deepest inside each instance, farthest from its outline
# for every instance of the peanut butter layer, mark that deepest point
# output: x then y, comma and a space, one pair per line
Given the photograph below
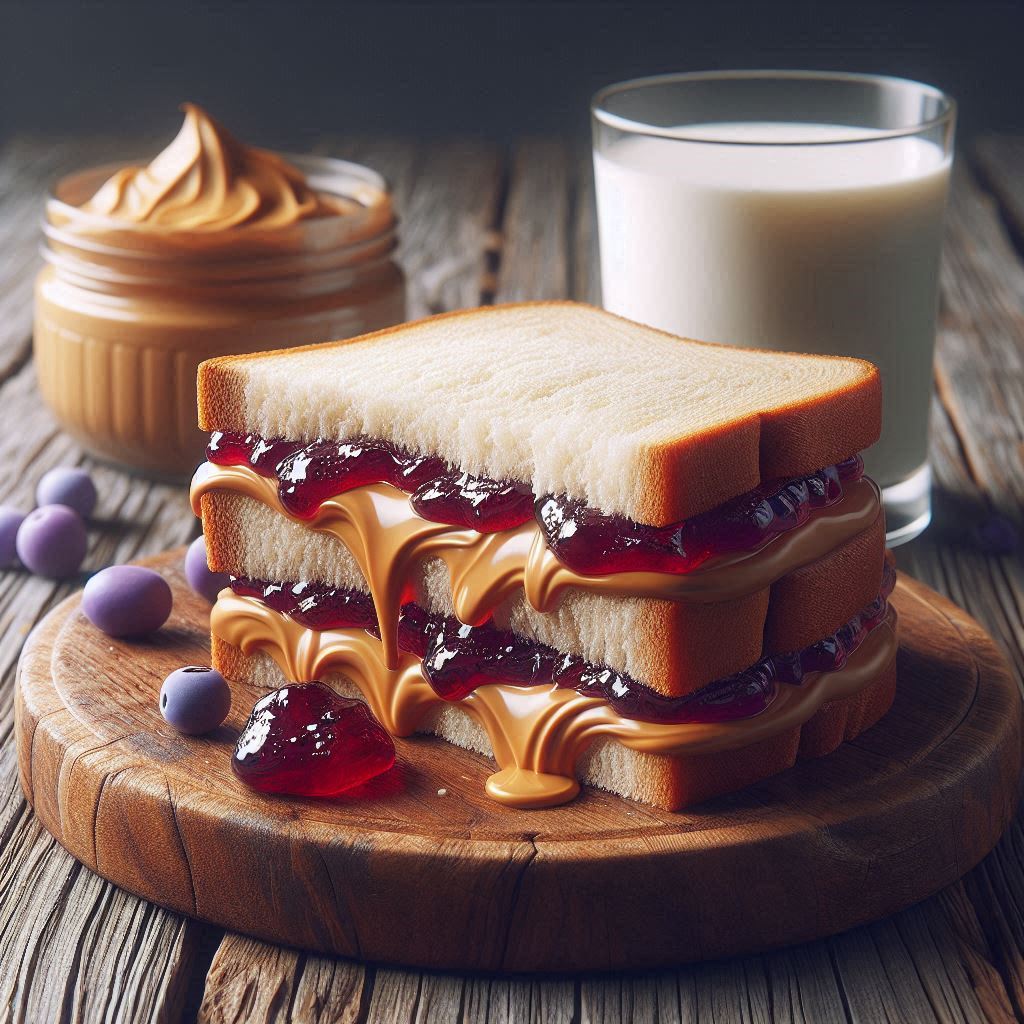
388, 540
537, 733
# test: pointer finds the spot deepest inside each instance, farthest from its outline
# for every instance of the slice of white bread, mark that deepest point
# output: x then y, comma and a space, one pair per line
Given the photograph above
566, 398
674, 647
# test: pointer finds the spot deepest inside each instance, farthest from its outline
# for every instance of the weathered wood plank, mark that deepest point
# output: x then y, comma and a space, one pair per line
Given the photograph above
74, 947
999, 161
943, 937
585, 274
980, 358
804, 987
331, 991
996, 892
396, 997
535, 230
448, 200
251, 982
518, 1001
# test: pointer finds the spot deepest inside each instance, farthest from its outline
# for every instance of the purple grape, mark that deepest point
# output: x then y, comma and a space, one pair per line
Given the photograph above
201, 578
195, 699
10, 520
67, 485
52, 541
127, 600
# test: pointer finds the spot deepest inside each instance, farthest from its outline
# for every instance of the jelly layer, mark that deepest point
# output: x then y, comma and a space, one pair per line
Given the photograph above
458, 659
583, 538
388, 540
537, 733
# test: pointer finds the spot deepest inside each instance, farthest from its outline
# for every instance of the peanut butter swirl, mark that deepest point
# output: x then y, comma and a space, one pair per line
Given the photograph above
208, 181
537, 733
388, 540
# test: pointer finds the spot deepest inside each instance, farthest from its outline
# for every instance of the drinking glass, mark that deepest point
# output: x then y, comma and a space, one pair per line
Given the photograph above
799, 211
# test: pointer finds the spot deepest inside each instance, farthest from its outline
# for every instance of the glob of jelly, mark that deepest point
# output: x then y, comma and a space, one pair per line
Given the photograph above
458, 658
228, 449
583, 538
312, 605
321, 470
307, 740
477, 503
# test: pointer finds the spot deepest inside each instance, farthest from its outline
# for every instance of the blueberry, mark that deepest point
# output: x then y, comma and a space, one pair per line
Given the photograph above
127, 600
10, 520
68, 485
195, 699
52, 541
200, 577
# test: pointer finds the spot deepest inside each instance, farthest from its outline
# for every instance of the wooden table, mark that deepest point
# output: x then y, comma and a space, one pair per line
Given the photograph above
485, 225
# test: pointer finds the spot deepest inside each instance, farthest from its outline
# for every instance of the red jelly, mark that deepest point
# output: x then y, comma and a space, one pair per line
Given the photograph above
306, 740
249, 449
583, 538
596, 544
476, 503
313, 605
323, 469
458, 658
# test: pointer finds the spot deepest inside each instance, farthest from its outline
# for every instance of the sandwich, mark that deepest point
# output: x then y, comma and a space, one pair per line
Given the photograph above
595, 552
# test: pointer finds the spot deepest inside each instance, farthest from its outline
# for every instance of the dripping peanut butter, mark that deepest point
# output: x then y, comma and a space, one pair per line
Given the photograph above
485, 569
212, 247
537, 734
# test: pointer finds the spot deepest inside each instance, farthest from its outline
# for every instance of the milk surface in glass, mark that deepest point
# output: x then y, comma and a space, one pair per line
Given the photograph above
812, 248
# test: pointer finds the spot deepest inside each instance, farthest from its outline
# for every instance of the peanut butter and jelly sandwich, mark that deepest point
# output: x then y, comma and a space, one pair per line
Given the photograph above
598, 553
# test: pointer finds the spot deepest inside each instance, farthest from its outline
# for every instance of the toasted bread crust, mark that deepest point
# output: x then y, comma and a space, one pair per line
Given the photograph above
680, 477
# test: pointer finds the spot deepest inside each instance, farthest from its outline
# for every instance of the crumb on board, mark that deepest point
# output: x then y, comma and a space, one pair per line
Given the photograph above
442, 792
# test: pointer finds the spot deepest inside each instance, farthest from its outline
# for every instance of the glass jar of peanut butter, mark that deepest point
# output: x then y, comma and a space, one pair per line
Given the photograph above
213, 248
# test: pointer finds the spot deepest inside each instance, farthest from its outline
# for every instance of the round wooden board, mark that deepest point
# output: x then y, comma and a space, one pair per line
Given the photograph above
397, 872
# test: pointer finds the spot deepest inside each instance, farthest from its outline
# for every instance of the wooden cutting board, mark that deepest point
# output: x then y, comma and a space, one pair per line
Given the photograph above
399, 872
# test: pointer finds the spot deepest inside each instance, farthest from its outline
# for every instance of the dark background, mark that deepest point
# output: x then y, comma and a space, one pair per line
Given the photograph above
281, 72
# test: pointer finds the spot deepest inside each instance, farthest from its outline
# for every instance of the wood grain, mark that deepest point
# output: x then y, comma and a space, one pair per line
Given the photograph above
401, 874
973, 932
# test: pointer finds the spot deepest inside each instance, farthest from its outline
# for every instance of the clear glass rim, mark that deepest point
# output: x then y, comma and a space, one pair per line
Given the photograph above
605, 117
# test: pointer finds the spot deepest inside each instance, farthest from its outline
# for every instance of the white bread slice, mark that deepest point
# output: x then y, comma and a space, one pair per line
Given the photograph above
566, 398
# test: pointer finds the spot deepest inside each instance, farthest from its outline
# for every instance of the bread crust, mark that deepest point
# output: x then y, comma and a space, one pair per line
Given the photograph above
681, 476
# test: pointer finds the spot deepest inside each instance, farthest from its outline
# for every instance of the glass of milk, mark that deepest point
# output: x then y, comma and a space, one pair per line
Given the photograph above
796, 211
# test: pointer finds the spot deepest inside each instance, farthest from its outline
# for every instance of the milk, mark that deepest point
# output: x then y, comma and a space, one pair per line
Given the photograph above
811, 248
